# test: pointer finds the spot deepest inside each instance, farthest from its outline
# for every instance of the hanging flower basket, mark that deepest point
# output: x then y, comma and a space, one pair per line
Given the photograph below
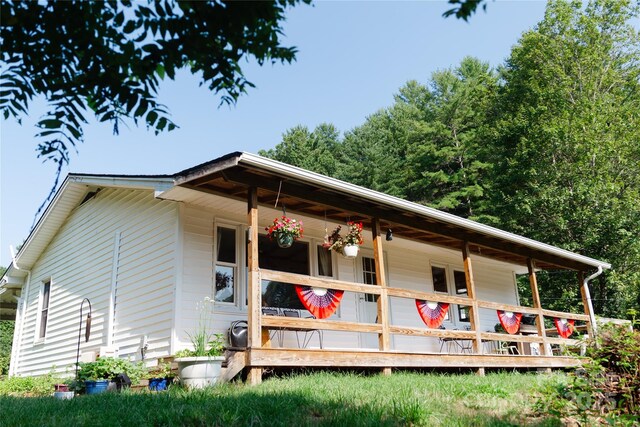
284, 231
347, 245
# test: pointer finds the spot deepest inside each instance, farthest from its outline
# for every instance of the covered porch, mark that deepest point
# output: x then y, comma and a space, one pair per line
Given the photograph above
261, 182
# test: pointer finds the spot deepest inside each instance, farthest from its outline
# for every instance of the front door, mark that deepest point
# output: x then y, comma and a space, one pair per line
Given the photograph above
367, 303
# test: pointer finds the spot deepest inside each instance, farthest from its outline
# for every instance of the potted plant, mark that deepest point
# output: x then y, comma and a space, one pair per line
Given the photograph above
349, 244
161, 377
200, 367
284, 231
97, 375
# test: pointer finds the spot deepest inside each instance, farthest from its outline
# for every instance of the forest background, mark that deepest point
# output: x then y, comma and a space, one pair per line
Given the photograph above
546, 146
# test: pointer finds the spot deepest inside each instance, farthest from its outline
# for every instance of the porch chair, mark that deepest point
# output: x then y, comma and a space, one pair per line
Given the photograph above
308, 333
273, 311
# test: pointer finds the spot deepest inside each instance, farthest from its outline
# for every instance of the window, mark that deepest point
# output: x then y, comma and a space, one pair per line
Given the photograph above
460, 281
439, 276
291, 260
369, 276
226, 265
44, 304
325, 267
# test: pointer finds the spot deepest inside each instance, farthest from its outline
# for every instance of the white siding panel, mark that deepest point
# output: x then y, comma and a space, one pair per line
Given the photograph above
79, 260
408, 266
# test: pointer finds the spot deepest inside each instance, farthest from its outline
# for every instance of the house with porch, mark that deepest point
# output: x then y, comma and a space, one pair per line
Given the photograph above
426, 288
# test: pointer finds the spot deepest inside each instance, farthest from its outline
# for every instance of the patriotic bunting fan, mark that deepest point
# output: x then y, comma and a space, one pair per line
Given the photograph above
322, 303
565, 327
432, 313
510, 321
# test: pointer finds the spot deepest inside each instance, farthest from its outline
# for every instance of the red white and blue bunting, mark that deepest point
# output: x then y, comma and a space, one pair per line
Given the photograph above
565, 327
320, 302
510, 321
432, 313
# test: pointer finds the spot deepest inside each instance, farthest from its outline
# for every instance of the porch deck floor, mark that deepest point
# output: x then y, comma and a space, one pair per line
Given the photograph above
284, 357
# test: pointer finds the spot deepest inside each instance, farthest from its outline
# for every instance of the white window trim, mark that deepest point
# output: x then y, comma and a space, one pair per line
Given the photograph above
239, 305
37, 339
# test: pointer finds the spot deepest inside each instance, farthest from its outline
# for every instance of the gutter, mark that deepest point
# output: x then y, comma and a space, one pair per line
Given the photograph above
587, 295
24, 296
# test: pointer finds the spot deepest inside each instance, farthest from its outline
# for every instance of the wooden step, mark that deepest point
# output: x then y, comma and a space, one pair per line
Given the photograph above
234, 363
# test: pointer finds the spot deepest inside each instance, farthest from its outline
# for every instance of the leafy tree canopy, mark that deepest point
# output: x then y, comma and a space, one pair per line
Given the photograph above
106, 58
548, 147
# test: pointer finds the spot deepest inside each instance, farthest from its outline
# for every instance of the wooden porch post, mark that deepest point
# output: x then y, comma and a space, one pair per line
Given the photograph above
533, 281
474, 315
254, 297
383, 299
585, 303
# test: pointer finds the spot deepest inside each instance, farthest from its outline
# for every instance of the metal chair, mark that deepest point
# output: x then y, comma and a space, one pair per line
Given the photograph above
273, 311
308, 333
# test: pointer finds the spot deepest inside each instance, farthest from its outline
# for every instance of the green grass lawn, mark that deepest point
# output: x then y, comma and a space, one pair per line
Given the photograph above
315, 399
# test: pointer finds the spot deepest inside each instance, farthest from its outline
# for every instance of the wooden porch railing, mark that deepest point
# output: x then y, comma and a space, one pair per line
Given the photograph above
339, 325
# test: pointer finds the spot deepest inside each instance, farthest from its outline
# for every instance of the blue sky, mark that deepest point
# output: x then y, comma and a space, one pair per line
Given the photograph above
352, 58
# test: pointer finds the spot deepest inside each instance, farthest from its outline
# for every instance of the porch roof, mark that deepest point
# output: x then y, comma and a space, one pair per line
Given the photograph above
318, 195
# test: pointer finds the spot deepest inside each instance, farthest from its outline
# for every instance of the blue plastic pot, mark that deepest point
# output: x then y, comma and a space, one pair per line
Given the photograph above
96, 387
157, 384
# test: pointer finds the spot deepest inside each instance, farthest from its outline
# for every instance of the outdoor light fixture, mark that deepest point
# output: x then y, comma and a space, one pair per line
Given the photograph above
389, 235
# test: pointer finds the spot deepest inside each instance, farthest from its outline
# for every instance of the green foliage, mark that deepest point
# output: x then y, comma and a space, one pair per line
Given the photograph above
107, 58
109, 367
607, 387
548, 147
6, 341
214, 346
28, 386
566, 155
203, 341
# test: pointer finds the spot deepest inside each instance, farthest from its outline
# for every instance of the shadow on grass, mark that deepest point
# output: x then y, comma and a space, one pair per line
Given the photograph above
303, 400
200, 408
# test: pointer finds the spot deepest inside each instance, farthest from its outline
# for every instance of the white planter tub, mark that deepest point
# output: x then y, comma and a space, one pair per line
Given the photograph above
199, 371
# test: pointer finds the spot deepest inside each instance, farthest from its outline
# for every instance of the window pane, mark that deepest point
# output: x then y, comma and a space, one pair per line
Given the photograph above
45, 295
281, 295
46, 290
291, 260
225, 278
43, 323
461, 282
226, 245
324, 262
463, 313
368, 271
439, 279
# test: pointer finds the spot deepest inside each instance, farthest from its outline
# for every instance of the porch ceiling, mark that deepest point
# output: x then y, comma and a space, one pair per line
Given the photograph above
230, 177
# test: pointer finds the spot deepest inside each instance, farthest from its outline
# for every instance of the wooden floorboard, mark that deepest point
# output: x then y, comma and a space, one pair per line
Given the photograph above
277, 357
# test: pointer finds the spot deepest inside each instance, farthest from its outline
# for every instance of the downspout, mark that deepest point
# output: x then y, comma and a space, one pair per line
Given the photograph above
14, 363
587, 294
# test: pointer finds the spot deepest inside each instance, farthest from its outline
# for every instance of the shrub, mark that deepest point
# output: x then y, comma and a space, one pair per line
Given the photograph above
108, 367
608, 386
28, 386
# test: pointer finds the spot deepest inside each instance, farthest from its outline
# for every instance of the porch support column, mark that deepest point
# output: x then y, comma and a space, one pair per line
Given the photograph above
383, 300
474, 315
254, 320
533, 281
585, 303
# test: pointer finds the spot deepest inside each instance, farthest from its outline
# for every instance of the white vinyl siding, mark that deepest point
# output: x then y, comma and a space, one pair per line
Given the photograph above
81, 258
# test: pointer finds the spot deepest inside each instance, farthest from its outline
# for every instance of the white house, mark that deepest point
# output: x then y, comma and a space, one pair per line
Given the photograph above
146, 249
